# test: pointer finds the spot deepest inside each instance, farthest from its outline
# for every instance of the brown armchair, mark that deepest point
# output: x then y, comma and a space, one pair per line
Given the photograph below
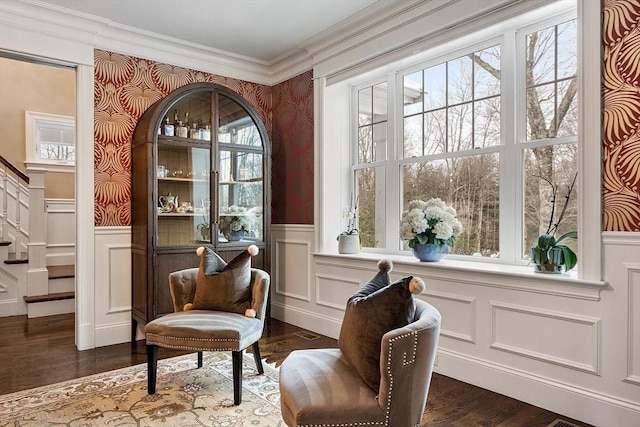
320, 388
208, 330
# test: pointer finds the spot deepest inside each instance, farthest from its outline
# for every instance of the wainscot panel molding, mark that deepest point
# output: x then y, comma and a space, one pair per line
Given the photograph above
557, 342
633, 325
514, 325
9, 304
291, 269
459, 314
113, 285
61, 231
334, 291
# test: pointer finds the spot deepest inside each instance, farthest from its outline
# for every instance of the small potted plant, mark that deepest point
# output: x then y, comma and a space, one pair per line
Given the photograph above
549, 256
235, 221
349, 240
430, 228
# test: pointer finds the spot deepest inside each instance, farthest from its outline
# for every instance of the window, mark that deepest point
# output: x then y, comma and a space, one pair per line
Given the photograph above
491, 128
50, 141
451, 128
549, 150
370, 169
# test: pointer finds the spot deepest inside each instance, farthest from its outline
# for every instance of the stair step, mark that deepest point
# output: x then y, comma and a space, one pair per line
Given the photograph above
4, 243
50, 297
61, 271
12, 260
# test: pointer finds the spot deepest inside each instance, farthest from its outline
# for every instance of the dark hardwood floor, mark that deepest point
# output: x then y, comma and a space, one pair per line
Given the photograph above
41, 351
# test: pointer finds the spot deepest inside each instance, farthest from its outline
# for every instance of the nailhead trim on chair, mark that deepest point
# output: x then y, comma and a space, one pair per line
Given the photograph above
184, 347
376, 423
404, 362
194, 339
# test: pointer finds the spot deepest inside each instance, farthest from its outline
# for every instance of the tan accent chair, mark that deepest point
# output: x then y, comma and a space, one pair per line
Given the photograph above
207, 330
318, 388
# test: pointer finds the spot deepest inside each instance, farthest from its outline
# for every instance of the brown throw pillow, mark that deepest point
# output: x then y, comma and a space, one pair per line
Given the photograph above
222, 286
377, 308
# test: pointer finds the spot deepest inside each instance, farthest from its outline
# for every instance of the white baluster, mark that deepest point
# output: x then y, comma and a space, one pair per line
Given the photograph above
19, 238
4, 230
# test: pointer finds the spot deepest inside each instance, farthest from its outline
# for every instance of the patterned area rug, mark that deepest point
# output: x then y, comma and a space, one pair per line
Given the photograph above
185, 396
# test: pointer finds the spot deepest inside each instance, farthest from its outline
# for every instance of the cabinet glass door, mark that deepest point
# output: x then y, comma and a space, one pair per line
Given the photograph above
240, 174
183, 182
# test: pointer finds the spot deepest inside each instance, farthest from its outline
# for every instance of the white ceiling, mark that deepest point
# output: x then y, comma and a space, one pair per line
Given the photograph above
263, 30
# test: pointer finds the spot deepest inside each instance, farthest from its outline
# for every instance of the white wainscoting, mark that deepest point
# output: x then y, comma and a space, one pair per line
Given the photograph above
569, 346
112, 285
61, 231
633, 324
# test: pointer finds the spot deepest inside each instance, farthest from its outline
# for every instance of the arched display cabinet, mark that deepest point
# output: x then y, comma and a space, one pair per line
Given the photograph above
189, 185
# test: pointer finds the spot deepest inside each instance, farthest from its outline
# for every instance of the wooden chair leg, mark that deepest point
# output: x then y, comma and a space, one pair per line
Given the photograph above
134, 330
152, 366
237, 376
199, 359
257, 358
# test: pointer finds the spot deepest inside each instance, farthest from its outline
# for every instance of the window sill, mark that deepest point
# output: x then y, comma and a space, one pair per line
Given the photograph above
63, 167
515, 277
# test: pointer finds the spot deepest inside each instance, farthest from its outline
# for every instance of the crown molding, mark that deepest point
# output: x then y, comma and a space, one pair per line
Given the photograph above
51, 21
383, 27
375, 19
401, 29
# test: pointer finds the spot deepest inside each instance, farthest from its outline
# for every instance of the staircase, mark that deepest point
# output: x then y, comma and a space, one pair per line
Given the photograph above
33, 280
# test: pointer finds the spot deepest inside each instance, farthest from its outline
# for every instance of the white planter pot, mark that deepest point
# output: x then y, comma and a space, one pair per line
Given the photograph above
348, 244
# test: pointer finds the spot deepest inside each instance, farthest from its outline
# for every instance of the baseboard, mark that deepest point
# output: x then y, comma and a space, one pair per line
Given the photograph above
115, 333
580, 404
315, 322
8, 308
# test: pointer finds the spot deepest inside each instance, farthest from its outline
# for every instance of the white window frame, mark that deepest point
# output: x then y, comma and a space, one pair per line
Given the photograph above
513, 130
33, 121
332, 95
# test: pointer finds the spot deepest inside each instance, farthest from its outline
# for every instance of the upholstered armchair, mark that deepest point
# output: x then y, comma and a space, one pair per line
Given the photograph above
208, 330
320, 387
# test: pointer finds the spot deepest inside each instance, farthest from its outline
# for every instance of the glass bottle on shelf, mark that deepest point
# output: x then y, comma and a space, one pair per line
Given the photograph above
181, 130
194, 132
167, 128
206, 133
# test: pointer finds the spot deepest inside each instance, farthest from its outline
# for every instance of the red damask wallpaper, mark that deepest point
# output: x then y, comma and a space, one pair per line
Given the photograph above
621, 121
293, 151
124, 88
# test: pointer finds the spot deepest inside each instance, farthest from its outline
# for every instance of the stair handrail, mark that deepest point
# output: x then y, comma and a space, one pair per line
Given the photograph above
17, 172
20, 236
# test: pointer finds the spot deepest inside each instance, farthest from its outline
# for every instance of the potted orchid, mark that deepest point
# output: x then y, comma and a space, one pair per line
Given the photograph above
349, 239
549, 256
430, 228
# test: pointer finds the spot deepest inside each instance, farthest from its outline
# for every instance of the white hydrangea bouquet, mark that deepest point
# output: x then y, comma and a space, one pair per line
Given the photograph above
430, 222
235, 218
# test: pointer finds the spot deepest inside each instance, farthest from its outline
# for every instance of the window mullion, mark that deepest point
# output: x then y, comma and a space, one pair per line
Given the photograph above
392, 171
510, 159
